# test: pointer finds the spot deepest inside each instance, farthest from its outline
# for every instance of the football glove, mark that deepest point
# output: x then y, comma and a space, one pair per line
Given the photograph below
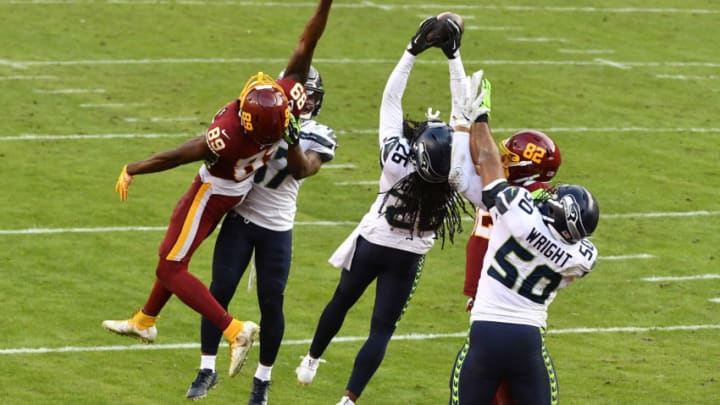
123, 183
292, 133
418, 43
476, 100
452, 45
469, 305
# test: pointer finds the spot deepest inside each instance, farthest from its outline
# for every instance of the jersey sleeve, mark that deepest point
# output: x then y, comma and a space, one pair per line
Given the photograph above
391, 112
217, 136
395, 158
463, 177
319, 139
295, 93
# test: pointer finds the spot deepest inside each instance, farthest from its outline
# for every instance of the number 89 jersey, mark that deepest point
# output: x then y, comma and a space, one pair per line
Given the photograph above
526, 263
272, 203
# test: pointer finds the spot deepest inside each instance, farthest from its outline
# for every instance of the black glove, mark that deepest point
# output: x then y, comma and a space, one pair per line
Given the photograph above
452, 45
292, 133
419, 43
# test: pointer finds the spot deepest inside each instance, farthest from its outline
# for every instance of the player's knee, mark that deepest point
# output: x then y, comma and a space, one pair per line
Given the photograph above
167, 270
271, 305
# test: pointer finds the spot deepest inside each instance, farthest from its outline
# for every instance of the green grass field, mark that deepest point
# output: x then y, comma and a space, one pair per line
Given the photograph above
629, 89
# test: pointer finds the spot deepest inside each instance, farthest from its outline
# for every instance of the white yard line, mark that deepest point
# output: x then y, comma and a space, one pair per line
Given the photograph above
27, 77
374, 5
683, 278
360, 131
161, 119
69, 91
43, 231
345, 339
345, 61
628, 257
110, 105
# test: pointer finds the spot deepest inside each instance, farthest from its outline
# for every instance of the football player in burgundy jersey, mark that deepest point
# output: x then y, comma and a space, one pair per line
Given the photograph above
243, 136
262, 225
414, 207
536, 247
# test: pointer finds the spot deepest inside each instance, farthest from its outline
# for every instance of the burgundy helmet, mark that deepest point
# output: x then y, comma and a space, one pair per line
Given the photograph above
530, 155
264, 110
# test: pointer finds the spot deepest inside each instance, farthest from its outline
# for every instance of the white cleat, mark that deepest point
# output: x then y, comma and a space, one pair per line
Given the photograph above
345, 401
130, 327
307, 369
240, 346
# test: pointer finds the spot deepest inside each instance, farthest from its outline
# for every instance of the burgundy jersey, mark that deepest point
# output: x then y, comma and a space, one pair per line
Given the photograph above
237, 156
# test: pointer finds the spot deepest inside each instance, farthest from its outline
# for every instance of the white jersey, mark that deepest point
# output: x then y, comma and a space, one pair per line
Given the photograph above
271, 203
526, 263
396, 164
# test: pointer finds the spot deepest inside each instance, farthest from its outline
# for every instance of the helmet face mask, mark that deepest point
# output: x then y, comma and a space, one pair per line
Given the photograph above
264, 112
315, 94
530, 155
431, 151
571, 211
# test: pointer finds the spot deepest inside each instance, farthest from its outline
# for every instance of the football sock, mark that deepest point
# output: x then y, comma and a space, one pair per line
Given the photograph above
207, 361
233, 329
263, 372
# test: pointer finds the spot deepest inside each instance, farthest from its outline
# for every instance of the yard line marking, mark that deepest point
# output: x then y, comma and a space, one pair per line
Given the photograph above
21, 77
688, 77
372, 5
339, 166
69, 91
586, 51
660, 214
161, 119
45, 137
373, 131
36, 231
714, 300
683, 278
324, 61
537, 39
490, 28
614, 64
110, 105
356, 183
628, 257
346, 339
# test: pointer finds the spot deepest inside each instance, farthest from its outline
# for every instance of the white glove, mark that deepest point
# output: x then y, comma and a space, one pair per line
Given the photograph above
476, 97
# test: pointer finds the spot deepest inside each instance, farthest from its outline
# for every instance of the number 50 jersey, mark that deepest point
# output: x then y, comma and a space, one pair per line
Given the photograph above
526, 263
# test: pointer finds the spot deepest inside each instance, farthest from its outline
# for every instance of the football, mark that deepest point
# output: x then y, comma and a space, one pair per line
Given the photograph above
439, 34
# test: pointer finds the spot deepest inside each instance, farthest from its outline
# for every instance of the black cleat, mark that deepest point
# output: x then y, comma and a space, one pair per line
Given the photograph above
259, 394
206, 379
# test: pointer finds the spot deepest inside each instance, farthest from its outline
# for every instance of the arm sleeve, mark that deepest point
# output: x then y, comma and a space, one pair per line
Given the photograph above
391, 112
457, 75
463, 176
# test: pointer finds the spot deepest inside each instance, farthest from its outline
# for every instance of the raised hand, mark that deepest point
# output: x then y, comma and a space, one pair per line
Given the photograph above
419, 42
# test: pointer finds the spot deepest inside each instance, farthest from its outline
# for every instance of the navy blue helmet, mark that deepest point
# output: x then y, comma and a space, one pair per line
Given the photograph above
572, 211
431, 151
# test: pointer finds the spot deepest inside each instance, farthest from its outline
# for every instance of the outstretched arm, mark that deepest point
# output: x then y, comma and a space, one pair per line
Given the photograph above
191, 151
301, 58
485, 153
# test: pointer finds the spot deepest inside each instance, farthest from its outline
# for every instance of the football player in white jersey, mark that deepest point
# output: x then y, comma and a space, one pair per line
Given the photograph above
263, 224
414, 207
536, 248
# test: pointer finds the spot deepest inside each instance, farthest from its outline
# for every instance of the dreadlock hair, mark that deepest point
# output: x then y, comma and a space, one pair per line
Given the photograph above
423, 206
